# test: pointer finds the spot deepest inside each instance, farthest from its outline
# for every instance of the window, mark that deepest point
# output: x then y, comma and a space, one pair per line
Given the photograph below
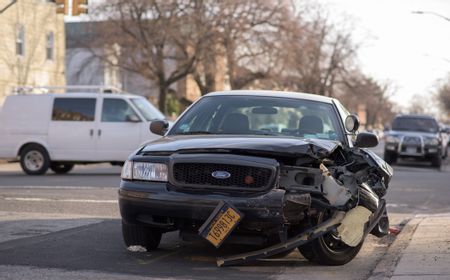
147, 109
74, 109
49, 46
20, 40
257, 115
117, 110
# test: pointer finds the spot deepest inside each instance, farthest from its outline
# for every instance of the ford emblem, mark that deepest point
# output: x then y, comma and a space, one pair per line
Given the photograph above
221, 174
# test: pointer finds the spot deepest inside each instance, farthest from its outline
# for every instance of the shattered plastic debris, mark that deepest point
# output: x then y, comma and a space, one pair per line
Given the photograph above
136, 248
351, 229
394, 230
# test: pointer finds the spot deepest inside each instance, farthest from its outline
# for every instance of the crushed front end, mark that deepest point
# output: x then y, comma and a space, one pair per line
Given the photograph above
289, 194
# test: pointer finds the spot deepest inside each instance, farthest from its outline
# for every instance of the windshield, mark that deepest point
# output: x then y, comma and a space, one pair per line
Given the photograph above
147, 109
415, 124
256, 115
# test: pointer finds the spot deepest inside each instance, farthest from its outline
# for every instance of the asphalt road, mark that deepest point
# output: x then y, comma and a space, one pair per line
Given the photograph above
68, 226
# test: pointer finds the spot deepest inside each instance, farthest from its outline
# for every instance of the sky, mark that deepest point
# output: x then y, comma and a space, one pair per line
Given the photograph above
411, 51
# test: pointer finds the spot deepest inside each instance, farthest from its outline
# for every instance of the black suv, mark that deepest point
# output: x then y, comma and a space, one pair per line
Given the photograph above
284, 170
417, 137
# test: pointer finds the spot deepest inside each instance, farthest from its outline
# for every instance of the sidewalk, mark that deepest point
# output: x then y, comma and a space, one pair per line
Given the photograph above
421, 251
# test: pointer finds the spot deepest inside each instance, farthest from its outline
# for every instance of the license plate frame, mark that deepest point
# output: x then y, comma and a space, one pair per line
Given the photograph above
219, 225
411, 150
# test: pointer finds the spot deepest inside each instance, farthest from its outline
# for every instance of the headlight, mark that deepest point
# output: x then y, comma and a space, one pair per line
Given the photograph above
127, 170
144, 171
392, 139
431, 141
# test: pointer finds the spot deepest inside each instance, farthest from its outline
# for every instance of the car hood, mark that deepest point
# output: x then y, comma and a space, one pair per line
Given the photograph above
411, 133
281, 146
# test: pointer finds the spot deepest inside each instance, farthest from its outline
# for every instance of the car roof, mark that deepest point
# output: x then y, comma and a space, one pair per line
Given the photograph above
415, 116
274, 93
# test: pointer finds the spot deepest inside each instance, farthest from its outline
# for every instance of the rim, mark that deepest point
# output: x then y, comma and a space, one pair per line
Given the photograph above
34, 160
334, 243
331, 240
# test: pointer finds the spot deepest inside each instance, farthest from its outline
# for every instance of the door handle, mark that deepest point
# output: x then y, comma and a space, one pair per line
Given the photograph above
99, 132
91, 132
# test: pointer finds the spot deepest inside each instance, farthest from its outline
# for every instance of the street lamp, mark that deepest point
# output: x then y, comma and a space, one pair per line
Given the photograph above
431, 13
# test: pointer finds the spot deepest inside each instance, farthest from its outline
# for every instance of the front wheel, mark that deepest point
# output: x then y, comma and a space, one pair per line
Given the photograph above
436, 161
329, 249
390, 157
34, 159
147, 237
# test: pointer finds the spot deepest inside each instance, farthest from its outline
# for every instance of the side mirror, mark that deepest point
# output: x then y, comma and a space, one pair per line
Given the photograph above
366, 140
132, 118
159, 127
352, 123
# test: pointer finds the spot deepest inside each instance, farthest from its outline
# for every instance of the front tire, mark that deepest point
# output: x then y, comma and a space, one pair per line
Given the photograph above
61, 168
147, 237
329, 249
34, 159
390, 157
436, 161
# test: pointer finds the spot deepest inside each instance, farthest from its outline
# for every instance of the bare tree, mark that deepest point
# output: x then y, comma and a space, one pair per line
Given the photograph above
443, 94
361, 91
244, 41
160, 40
318, 55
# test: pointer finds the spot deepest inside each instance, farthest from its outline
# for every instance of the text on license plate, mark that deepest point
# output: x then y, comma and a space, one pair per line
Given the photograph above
220, 224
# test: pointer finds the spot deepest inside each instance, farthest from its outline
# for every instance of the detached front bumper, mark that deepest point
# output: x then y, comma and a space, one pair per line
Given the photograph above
157, 205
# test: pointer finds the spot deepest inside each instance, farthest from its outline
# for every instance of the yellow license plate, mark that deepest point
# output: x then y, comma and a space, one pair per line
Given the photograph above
220, 224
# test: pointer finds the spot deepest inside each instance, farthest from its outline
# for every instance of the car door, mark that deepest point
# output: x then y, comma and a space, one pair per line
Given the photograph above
118, 133
71, 128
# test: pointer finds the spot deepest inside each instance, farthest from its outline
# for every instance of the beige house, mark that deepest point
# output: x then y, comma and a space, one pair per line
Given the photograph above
32, 47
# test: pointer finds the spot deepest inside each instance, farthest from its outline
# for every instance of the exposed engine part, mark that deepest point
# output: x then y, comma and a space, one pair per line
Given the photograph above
333, 190
351, 230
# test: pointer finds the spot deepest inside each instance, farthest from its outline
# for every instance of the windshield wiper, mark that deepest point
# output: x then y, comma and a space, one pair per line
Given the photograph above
196, 132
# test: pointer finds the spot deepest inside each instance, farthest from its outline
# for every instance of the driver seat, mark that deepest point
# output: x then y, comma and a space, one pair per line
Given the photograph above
310, 124
235, 123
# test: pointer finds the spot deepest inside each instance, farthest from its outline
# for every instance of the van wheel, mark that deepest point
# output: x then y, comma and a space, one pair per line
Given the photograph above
61, 168
34, 159
390, 157
147, 237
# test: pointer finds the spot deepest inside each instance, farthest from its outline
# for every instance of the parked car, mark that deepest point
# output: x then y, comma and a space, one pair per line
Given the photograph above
415, 136
258, 167
57, 131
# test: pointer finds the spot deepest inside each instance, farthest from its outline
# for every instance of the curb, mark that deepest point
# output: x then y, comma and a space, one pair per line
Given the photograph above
388, 262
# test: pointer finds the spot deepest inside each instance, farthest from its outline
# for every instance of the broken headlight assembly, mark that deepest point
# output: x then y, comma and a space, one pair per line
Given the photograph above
144, 171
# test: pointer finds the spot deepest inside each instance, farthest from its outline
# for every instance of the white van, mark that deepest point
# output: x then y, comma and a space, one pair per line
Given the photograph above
57, 131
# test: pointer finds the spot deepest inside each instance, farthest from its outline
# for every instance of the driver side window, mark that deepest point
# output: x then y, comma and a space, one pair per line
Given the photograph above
117, 110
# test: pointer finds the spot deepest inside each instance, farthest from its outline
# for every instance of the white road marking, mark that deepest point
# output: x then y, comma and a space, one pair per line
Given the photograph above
39, 199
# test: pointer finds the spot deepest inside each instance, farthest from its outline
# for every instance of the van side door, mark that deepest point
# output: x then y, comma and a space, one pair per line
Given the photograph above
118, 133
71, 129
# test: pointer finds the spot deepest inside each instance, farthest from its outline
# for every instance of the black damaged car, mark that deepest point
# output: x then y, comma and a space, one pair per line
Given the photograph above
276, 169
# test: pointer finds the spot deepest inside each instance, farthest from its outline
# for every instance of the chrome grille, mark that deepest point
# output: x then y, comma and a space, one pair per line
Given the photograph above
200, 174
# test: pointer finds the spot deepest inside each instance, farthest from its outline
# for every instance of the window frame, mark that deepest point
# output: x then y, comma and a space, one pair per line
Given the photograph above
20, 40
50, 46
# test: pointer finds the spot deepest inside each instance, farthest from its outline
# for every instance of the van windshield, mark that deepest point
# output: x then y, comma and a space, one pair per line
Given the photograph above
147, 109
